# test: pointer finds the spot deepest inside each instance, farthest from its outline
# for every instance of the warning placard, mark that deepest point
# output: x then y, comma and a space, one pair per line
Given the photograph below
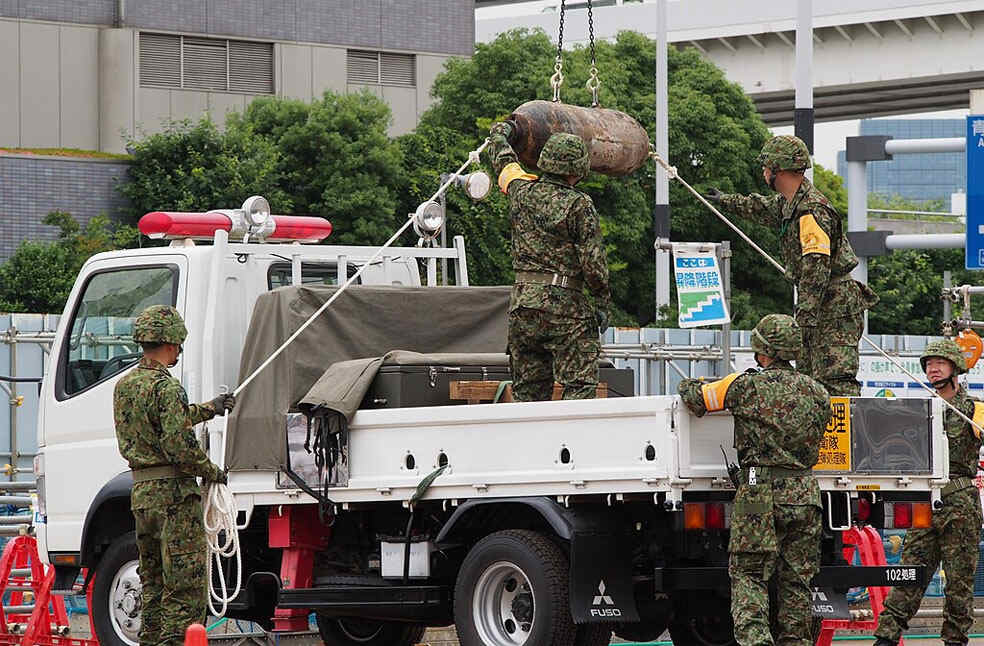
835, 446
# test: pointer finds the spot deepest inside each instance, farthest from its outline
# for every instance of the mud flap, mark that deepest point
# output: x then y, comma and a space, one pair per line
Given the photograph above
829, 604
601, 578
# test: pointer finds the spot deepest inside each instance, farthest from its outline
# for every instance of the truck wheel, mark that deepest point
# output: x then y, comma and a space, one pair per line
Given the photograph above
116, 594
367, 632
593, 635
512, 589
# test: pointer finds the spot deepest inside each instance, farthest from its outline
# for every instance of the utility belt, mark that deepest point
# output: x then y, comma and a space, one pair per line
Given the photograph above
548, 278
165, 472
957, 483
770, 474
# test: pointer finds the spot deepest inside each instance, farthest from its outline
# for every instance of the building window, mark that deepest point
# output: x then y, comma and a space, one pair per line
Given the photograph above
191, 63
381, 68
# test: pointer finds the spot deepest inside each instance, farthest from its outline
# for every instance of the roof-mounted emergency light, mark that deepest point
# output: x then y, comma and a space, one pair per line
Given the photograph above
252, 221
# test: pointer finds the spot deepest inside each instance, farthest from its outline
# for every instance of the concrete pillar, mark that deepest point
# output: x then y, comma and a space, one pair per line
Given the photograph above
117, 87
977, 101
857, 209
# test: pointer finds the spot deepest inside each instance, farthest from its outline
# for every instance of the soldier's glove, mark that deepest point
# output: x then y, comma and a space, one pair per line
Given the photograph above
223, 403
602, 317
221, 478
503, 128
713, 195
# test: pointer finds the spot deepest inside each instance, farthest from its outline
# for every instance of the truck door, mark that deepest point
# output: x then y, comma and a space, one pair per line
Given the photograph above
94, 348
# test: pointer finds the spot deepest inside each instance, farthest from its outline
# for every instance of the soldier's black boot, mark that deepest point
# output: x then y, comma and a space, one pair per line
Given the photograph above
881, 641
954, 643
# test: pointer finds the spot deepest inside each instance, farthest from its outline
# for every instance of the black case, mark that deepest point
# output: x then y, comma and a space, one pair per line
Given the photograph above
405, 386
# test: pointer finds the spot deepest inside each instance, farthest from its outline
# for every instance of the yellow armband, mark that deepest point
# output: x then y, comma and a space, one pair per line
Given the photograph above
715, 392
509, 173
978, 418
813, 239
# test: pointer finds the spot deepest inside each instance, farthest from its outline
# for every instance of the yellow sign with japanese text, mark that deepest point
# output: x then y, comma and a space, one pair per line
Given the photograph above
835, 446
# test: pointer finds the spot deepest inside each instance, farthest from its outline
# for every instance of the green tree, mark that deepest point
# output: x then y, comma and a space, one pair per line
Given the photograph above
715, 135
333, 158
197, 167
831, 185
39, 275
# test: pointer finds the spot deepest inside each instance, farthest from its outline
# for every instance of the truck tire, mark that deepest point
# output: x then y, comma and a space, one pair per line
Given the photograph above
512, 589
367, 632
116, 594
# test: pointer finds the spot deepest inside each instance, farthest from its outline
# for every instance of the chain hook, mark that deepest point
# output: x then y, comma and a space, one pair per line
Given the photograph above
593, 84
557, 79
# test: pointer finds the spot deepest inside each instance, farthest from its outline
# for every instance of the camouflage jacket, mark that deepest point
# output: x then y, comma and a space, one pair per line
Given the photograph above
815, 251
780, 416
154, 428
964, 440
554, 230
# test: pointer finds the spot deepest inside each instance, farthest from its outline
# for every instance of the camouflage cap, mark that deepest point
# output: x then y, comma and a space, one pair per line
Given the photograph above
785, 152
160, 324
945, 349
565, 154
777, 336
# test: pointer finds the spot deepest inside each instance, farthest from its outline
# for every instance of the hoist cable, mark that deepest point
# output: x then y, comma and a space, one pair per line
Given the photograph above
671, 171
558, 76
593, 83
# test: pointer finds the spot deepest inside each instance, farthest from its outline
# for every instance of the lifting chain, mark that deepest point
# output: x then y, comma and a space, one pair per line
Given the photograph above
594, 83
558, 76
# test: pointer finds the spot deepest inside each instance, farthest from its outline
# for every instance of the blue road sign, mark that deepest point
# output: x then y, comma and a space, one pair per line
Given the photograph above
975, 192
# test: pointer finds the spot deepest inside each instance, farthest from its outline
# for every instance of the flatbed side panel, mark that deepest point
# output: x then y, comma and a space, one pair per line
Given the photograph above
600, 446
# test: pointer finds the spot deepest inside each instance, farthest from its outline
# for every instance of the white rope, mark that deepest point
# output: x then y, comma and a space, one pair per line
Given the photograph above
673, 174
222, 538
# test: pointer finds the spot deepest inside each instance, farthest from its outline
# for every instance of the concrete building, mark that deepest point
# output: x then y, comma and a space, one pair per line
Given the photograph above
78, 73
917, 177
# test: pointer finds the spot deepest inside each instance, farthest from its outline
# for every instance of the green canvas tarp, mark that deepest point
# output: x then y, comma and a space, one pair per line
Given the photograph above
365, 322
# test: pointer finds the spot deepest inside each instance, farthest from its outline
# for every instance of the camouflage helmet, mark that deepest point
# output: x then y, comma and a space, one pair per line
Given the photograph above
159, 324
564, 154
945, 349
785, 152
777, 336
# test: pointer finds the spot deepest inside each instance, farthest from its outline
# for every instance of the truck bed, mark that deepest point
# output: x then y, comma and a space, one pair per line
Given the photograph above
630, 445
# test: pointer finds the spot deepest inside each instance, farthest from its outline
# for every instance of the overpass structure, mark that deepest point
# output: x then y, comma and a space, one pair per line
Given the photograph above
871, 57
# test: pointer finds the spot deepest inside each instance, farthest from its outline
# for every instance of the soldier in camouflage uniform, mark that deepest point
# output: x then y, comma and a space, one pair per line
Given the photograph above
818, 259
779, 417
557, 252
956, 528
154, 431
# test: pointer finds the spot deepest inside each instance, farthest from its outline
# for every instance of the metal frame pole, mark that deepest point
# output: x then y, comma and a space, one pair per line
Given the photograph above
12, 355
857, 209
724, 256
661, 210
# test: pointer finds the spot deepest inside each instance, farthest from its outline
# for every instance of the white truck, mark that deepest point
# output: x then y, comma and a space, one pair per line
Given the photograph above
549, 523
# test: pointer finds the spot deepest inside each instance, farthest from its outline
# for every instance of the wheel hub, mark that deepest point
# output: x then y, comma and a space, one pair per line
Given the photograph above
503, 605
125, 603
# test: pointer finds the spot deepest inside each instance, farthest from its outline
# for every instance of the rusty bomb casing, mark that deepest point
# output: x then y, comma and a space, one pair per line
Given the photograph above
618, 144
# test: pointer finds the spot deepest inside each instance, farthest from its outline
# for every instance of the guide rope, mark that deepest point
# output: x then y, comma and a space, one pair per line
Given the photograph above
671, 171
222, 538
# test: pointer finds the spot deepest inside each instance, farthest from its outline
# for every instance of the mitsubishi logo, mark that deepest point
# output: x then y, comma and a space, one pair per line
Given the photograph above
602, 598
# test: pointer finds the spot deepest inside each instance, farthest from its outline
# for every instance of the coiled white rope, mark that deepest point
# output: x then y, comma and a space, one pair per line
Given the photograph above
222, 538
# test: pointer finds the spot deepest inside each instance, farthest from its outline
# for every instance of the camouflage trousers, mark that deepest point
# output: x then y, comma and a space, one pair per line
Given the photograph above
830, 354
952, 540
794, 562
545, 347
171, 540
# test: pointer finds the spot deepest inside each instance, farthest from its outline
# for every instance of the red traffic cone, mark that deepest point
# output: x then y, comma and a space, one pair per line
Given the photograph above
196, 635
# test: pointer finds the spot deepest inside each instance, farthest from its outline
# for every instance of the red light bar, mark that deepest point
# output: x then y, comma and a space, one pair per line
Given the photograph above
202, 226
159, 224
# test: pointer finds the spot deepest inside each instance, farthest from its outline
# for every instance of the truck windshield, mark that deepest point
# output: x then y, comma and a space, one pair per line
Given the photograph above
100, 342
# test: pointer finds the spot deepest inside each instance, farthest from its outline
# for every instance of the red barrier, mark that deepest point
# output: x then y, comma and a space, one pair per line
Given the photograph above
868, 542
